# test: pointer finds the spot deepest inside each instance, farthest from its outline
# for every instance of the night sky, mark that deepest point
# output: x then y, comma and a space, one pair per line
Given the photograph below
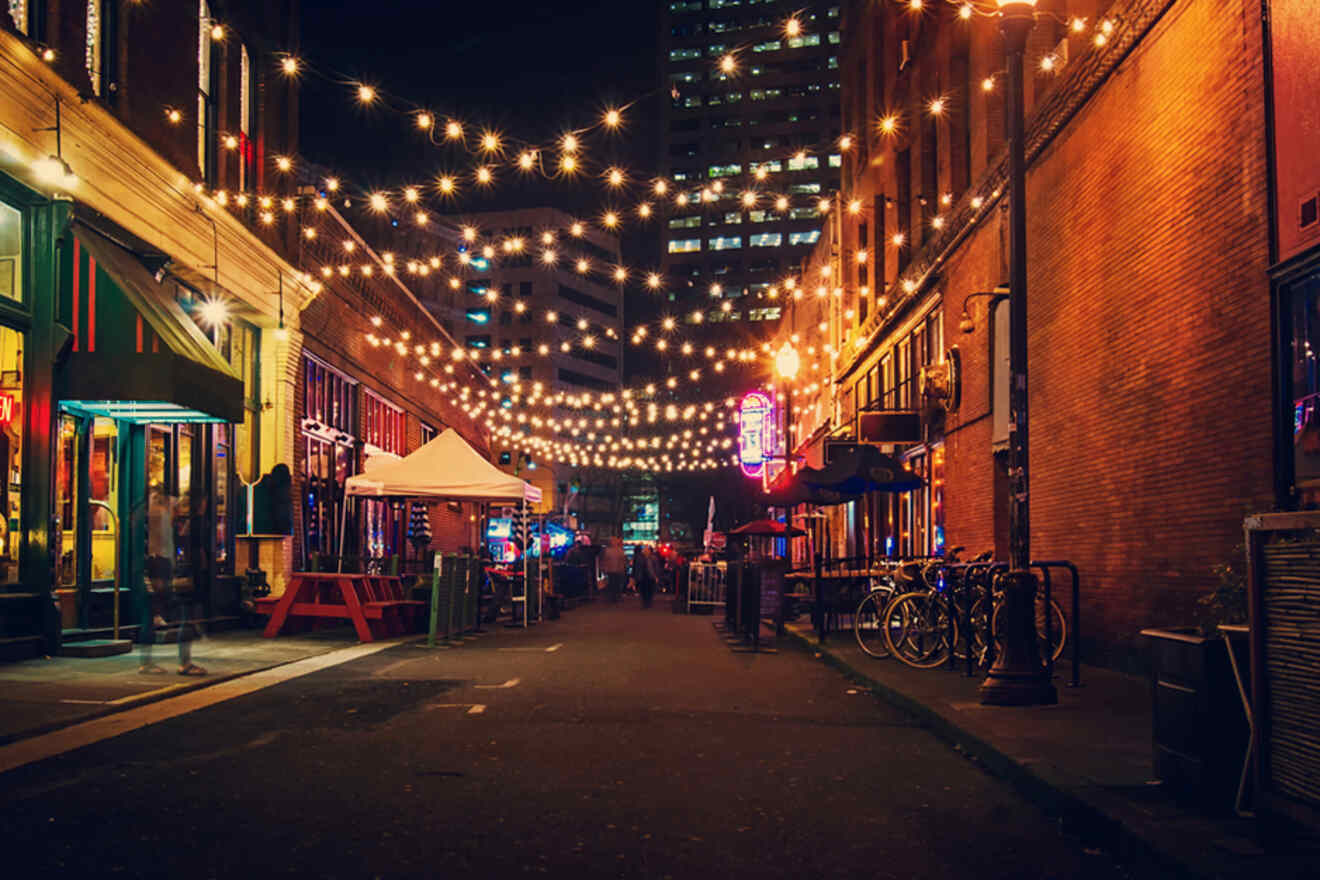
529, 69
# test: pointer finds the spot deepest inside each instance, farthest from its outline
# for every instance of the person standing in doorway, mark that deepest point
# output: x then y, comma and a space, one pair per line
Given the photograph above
614, 564
646, 573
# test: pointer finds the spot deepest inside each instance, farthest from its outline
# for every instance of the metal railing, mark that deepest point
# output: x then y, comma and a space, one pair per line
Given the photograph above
707, 584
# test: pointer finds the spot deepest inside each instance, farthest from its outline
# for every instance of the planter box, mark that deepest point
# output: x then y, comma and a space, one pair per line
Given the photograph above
1199, 729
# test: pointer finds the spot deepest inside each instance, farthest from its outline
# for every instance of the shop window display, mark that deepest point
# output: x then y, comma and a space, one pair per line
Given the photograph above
11, 450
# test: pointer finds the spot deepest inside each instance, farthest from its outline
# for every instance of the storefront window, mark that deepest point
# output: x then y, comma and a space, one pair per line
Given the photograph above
223, 463
66, 498
11, 450
103, 491
329, 399
1305, 377
11, 253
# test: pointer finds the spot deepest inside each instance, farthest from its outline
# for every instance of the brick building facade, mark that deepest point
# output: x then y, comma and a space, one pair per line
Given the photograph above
1149, 304
161, 298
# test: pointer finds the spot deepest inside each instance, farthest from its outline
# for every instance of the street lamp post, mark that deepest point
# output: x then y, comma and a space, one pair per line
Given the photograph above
1017, 677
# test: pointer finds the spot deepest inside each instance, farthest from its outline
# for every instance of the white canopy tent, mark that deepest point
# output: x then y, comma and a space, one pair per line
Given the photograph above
449, 469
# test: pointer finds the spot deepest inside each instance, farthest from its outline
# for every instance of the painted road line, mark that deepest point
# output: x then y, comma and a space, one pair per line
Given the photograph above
67, 739
553, 648
549, 650
513, 682
146, 695
472, 708
87, 702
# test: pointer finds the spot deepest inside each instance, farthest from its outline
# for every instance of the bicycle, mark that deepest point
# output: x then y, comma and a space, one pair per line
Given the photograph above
869, 620
921, 626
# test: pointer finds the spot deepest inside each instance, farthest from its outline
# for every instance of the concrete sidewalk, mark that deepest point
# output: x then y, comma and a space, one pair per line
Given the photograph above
1087, 759
40, 695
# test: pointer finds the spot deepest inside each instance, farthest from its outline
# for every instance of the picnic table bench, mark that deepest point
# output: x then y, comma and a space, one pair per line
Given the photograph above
373, 602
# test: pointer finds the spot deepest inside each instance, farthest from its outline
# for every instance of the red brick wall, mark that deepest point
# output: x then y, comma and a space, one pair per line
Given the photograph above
1148, 308
1149, 325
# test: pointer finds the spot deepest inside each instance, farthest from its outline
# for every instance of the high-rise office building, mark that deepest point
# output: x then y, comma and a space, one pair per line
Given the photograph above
752, 107
529, 322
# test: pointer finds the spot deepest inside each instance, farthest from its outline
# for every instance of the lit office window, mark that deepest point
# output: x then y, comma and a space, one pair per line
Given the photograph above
766, 239
684, 245
725, 242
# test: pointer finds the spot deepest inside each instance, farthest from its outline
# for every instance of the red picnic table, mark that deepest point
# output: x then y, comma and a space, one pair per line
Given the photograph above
361, 598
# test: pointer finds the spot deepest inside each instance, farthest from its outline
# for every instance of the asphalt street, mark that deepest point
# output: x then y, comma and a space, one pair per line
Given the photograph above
614, 742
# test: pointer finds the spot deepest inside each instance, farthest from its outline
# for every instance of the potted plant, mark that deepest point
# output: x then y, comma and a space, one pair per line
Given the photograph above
1199, 729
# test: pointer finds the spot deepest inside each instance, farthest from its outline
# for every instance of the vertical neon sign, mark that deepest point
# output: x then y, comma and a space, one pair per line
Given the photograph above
755, 424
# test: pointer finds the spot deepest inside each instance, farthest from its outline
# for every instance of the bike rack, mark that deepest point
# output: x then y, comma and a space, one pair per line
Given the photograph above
973, 572
1045, 566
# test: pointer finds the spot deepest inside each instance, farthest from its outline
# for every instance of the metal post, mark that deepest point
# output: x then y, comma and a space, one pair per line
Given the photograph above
1018, 677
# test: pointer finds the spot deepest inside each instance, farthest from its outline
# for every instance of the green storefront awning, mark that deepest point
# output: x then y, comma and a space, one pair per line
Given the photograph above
176, 376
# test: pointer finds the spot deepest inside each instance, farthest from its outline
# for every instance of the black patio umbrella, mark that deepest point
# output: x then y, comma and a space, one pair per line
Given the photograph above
860, 470
789, 489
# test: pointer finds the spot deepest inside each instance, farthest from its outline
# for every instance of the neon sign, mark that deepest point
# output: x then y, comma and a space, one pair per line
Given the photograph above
755, 432
6, 408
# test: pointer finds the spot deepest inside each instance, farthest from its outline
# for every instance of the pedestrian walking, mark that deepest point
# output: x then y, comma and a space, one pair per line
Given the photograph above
614, 563
646, 573
173, 529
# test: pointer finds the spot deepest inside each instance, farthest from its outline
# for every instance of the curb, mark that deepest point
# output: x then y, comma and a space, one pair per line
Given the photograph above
1077, 813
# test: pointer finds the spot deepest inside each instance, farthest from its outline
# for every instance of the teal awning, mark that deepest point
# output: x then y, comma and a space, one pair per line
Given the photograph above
143, 412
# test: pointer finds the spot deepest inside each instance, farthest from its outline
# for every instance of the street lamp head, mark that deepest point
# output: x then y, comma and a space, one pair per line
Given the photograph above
787, 361
966, 324
1016, 19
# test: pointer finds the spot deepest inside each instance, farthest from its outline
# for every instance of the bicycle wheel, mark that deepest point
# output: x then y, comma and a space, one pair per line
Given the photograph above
918, 629
869, 623
1058, 625
978, 627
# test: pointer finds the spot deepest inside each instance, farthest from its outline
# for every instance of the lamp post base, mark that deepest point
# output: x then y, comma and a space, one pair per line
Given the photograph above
1017, 677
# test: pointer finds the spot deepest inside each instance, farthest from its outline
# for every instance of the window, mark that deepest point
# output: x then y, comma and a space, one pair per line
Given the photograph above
836, 161
684, 245
766, 239
833, 38
765, 94
11, 447
684, 54
478, 341
762, 216
767, 314
804, 40
11, 253
328, 397
725, 242
731, 218
803, 213
383, 424
684, 222
205, 147
429, 432
724, 170
804, 188
93, 50
685, 6
796, 238
684, 77
246, 145
802, 163
478, 316
770, 46
18, 13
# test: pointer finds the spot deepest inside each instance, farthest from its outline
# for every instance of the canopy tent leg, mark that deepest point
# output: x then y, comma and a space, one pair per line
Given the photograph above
343, 520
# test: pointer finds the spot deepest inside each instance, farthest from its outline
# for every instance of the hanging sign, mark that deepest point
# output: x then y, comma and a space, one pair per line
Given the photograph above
755, 432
